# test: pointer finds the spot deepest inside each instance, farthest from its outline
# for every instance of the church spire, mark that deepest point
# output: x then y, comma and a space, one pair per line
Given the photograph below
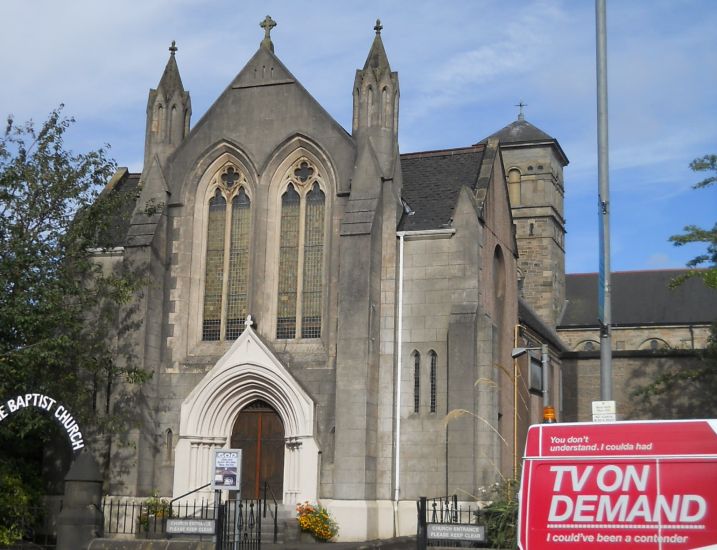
168, 112
377, 58
376, 90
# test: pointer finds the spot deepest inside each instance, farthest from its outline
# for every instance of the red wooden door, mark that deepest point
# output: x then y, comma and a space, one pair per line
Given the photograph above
259, 433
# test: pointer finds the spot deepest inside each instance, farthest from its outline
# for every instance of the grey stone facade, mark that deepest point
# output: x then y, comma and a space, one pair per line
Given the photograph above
410, 388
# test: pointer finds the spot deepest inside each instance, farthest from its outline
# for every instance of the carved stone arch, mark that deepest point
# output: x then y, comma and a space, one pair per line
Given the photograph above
653, 343
248, 371
588, 345
221, 158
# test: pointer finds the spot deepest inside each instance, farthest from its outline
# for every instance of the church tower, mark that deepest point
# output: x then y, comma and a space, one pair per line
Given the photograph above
169, 109
533, 162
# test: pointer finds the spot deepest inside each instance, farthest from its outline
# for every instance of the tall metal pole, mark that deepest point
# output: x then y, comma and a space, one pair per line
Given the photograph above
605, 313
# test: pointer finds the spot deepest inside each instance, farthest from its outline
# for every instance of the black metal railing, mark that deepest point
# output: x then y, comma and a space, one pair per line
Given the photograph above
273, 509
444, 510
239, 525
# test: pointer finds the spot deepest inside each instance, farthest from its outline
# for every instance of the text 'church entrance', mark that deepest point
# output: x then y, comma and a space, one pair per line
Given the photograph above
259, 433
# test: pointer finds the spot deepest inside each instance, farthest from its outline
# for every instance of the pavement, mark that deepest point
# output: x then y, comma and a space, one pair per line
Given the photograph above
400, 543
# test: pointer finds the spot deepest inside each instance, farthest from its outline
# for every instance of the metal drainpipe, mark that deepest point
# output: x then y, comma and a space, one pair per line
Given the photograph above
399, 361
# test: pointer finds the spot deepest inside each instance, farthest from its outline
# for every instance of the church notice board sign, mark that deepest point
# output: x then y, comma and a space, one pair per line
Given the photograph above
636, 485
226, 469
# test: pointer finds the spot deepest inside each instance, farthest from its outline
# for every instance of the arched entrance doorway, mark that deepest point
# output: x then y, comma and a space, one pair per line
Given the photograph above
259, 433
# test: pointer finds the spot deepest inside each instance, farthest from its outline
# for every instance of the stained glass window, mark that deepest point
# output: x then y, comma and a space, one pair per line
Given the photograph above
237, 293
288, 264
301, 253
226, 288
313, 263
214, 272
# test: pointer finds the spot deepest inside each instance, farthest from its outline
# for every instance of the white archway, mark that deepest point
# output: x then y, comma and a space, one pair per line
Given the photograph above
247, 371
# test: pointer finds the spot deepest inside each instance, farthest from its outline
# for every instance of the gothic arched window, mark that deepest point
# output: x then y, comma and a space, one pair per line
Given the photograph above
433, 377
301, 255
226, 273
416, 382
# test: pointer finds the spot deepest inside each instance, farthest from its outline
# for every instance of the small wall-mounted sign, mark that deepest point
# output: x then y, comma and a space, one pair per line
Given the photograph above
191, 526
59, 412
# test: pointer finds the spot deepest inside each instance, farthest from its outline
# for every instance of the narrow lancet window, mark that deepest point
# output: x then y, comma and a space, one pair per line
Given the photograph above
416, 382
313, 263
238, 291
214, 270
288, 264
433, 376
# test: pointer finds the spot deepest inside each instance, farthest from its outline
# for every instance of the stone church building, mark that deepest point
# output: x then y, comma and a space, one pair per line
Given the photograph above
341, 311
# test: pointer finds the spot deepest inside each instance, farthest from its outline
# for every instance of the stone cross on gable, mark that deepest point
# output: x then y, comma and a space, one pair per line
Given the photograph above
521, 115
173, 48
267, 25
249, 321
378, 26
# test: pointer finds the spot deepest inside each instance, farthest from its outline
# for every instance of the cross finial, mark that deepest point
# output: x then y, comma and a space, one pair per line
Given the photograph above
249, 321
267, 25
173, 48
378, 26
521, 115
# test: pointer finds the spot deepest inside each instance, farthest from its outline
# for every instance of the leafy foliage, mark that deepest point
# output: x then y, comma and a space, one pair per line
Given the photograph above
684, 391
59, 311
316, 520
500, 517
695, 234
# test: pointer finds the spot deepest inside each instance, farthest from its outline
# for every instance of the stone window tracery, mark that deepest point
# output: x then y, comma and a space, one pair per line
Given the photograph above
301, 253
226, 288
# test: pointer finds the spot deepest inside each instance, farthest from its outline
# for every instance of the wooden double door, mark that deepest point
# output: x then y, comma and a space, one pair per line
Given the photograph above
259, 433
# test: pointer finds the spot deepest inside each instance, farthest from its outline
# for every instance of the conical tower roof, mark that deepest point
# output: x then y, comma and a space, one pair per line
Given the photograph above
171, 80
377, 58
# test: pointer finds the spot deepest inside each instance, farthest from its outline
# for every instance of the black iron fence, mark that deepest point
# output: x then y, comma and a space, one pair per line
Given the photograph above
446, 522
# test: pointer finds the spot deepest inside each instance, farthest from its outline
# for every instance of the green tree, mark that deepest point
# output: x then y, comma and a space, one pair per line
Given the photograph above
58, 309
695, 234
681, 391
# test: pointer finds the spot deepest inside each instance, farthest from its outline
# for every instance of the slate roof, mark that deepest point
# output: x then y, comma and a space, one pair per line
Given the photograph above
432, 181
127, 184
639, 298
522, 132
529, 317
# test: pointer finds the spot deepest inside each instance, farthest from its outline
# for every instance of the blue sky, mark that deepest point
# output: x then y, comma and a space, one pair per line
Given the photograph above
462, 64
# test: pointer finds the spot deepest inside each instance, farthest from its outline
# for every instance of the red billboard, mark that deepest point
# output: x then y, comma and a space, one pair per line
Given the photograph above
647, 485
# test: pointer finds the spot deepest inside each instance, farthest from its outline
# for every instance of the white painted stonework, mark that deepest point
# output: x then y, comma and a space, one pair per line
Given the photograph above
247, 371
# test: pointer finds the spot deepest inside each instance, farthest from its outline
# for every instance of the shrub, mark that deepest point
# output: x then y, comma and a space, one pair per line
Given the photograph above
317, 520
154, 510
500, 517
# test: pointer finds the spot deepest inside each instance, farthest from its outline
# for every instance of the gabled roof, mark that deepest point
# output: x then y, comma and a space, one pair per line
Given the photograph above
432, 181
521, 133
639, 298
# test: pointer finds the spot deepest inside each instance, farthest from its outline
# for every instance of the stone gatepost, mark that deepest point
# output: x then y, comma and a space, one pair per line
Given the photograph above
81, 520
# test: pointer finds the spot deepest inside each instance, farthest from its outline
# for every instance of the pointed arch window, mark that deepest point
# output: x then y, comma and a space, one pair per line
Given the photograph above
226, 275
416, 382
301, 255
433, 378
